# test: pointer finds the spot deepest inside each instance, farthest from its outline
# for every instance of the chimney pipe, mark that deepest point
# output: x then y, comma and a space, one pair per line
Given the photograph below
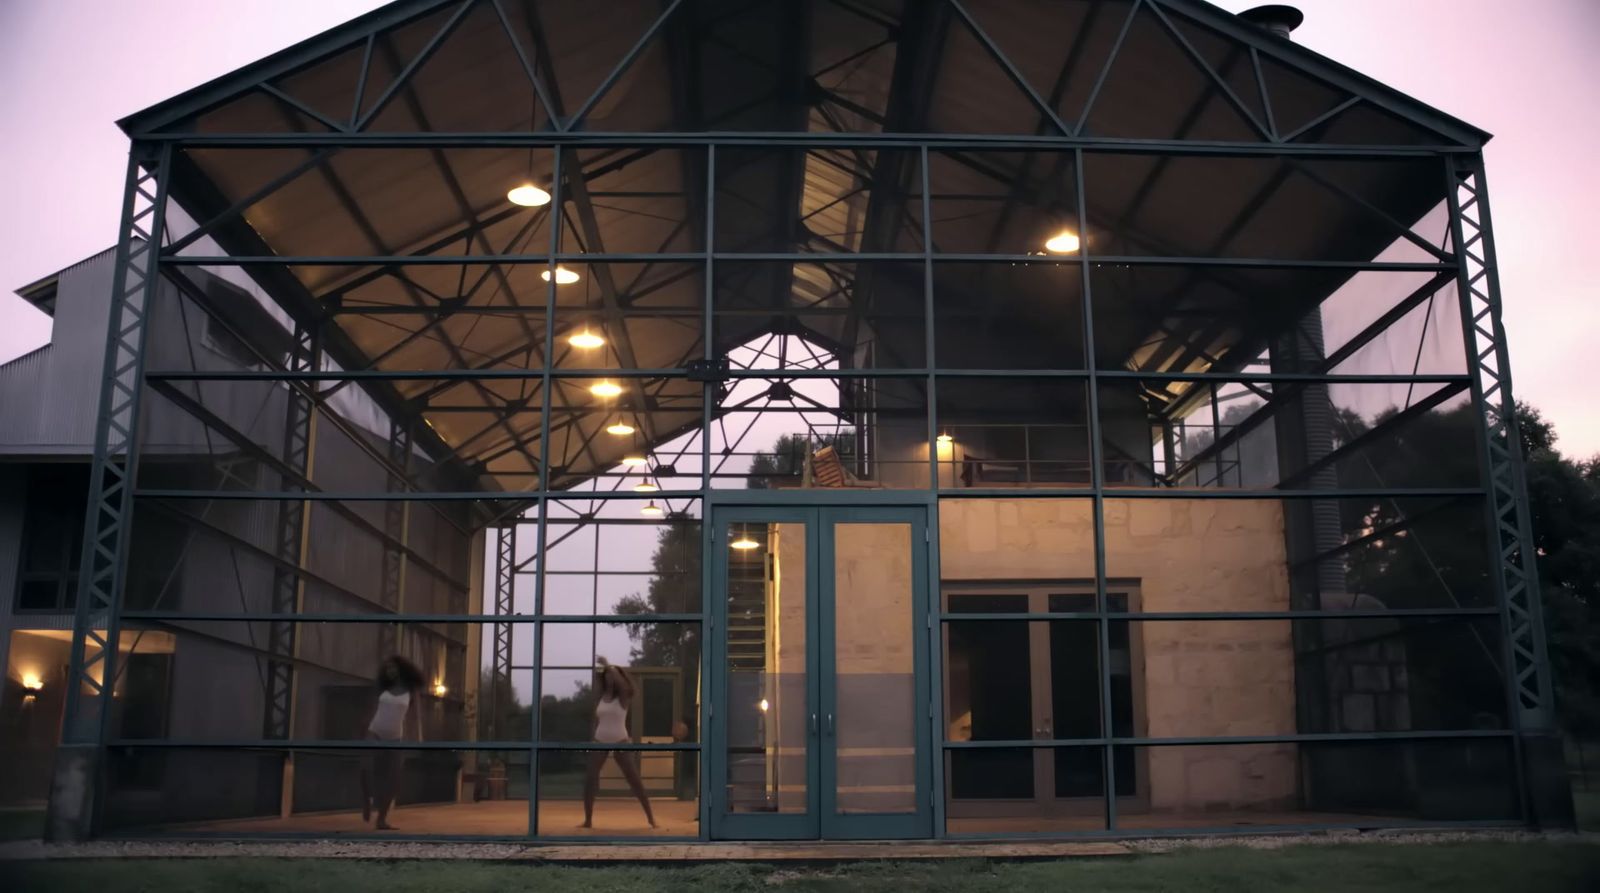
1276, 18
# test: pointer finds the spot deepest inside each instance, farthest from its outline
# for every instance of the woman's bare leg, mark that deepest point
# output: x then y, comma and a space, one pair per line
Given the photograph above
366, 787
629, 763
388, 784
591, 787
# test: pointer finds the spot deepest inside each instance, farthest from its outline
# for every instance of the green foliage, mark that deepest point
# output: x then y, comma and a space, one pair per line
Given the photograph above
1564, 497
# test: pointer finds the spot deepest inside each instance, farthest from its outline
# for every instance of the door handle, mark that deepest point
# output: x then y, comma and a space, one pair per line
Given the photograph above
813, 723
830, 725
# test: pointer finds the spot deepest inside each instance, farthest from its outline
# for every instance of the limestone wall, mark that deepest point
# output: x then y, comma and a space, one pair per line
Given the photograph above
1191, 678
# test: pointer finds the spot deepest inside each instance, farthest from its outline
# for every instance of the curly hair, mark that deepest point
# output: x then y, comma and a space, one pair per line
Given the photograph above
397, 669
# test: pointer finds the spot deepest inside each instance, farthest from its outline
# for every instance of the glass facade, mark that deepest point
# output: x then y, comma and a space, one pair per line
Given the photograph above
732, 464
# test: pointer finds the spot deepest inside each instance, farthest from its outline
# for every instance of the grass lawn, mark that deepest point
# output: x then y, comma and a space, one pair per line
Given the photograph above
1524, 867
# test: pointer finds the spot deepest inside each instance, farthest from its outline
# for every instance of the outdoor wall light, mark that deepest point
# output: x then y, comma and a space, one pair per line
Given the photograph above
620, 428
528, 196
1064, 242
651, 509
564, 276
585, 339
605, 389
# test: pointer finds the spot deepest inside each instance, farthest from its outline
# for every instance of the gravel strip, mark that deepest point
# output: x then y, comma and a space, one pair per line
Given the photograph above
391, 850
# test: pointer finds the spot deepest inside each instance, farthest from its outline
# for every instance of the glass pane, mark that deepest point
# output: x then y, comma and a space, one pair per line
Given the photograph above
619, 793
239, 791
767, 712
875, 666
1325, 783
1004, 790
1012, 433
649, 693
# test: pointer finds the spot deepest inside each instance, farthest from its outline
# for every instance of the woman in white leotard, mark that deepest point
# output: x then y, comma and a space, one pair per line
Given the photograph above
397, 711
611, 727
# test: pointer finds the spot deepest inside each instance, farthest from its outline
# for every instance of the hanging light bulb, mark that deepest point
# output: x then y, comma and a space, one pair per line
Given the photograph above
945, 439
605, 389
620, 428
744, 543
634, 461
645, 487
584, 339
528, 196
564, 276
651, 509
1064, 242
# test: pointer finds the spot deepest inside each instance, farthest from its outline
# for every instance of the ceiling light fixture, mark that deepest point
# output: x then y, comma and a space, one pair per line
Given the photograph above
645, 487
744, 543
620, 428
605, 389
651, 509
586, 340
528, 196
946, 439
1064, 242
564, 276
633, 461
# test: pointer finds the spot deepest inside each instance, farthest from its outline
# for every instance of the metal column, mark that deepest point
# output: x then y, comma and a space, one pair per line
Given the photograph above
74, 806
1546, 790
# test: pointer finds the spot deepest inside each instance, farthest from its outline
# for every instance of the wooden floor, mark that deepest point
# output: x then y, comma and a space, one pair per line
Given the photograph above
620, 819
495, 818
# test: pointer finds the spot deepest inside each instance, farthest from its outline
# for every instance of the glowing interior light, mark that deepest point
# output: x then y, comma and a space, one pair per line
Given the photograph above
32, 682
528, 196
620, 428
645, 487
633, 461
764, 705
564, 276
651, 509
744, 543
605, 389
1064, 242
945, 439
585, 340
439, 690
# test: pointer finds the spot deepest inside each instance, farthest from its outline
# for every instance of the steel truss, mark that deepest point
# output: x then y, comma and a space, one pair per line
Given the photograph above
310, 382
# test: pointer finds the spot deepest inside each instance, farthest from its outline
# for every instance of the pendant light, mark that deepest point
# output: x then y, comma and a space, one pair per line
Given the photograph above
651, 509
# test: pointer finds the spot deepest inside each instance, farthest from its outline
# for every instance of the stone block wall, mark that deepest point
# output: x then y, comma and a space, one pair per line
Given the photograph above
1197, 678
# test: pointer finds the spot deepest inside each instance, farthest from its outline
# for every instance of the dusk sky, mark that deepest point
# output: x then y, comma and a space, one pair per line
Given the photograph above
1527, 72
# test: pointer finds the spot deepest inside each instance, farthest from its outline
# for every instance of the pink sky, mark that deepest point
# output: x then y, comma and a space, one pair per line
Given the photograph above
1526, 72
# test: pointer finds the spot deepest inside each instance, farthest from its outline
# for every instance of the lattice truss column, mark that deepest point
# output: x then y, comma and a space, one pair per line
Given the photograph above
92, 670
396, 515
1511, 529
288, 582
504, 579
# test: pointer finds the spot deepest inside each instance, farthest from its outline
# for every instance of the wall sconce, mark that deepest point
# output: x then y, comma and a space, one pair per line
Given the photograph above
439, 690
31, 686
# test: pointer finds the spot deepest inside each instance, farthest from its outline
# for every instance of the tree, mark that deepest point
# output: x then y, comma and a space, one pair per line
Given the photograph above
1564, 499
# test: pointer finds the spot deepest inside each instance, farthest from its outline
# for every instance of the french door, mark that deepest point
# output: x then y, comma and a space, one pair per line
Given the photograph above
819, 718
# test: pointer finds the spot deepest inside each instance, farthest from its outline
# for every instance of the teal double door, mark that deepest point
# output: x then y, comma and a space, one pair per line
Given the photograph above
819, 723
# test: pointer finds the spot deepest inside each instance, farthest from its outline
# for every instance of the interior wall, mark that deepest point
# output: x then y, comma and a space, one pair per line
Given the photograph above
1199, 678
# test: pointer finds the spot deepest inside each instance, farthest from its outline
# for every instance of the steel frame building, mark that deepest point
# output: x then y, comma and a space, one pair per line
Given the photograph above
916, 103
